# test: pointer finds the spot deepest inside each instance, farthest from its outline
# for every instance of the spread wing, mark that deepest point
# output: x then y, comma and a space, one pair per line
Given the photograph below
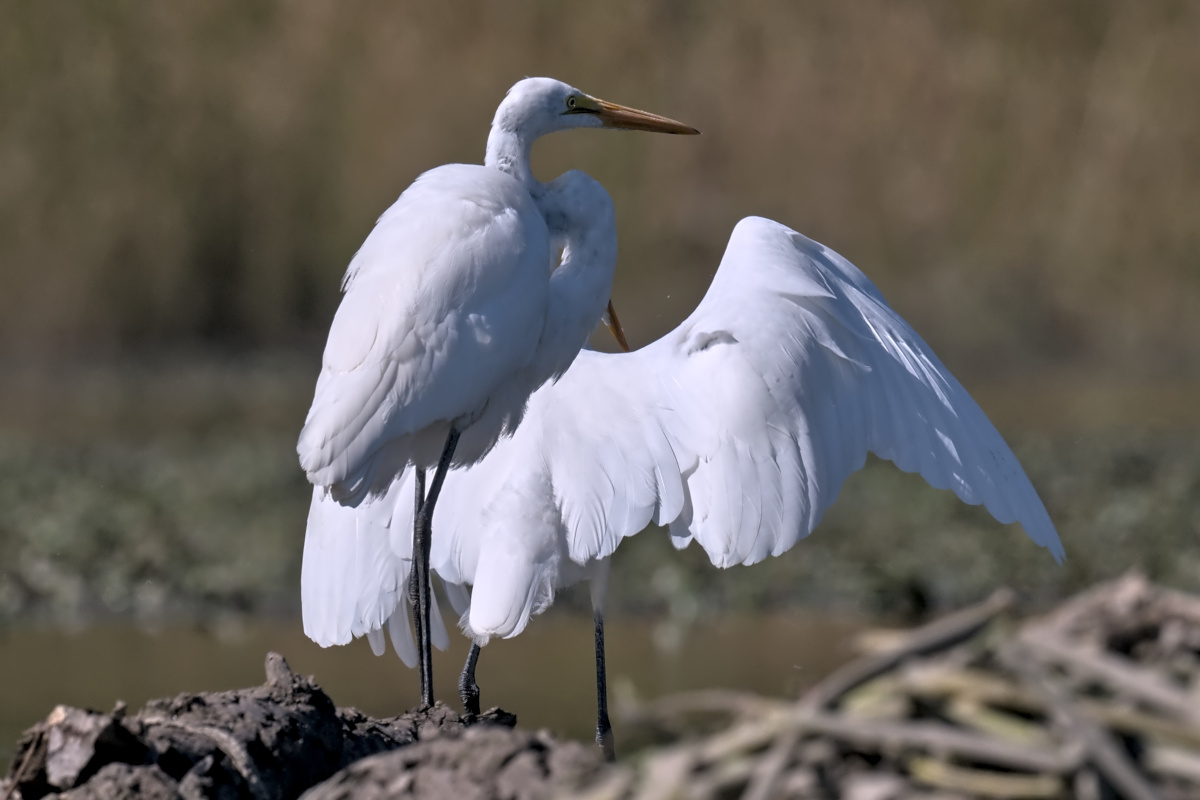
736, 430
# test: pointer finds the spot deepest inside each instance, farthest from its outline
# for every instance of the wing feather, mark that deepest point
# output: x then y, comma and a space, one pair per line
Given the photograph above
737, 430
769, 396
354, 574
351, 580
435, 314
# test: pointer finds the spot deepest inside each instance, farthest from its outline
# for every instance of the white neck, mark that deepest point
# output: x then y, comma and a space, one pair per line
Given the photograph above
579, 211
508, 151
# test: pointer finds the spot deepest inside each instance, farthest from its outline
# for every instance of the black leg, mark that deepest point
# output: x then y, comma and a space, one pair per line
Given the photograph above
419, 484
468, 689
414, 580
422, 539
604, 734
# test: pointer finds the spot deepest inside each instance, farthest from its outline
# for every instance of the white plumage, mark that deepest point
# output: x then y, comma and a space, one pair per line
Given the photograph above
737, 430
453, 309
441, 316
453, 312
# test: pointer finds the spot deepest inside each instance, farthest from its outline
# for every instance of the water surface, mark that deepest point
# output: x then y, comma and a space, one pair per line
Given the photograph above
545, 676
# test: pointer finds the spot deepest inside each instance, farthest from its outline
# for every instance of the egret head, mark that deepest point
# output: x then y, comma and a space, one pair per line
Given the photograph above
537, 106
576, 207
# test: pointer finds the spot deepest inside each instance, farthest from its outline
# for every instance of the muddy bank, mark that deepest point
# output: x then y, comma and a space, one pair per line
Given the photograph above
281, 739
1095, 700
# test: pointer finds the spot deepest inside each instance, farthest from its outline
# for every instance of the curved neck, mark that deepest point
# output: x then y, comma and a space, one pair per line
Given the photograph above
579, 291
508, 151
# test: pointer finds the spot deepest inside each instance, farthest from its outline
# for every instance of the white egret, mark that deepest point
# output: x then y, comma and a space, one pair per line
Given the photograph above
452, 313
736, 430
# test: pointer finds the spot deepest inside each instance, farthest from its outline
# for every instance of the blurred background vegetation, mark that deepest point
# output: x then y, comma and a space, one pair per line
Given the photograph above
183, 183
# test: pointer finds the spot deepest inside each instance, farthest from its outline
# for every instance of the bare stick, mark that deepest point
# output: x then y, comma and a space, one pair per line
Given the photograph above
1107, 756
934, 636
875, 736
1124, 676
765, 778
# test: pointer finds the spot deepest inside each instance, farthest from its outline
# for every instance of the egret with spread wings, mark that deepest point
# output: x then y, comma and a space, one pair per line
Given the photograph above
456, 308
736, 431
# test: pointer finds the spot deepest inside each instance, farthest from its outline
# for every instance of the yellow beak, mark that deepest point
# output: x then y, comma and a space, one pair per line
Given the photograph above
614, 325
630, 119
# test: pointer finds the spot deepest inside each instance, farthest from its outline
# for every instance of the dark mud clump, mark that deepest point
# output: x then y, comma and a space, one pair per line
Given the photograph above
280, 739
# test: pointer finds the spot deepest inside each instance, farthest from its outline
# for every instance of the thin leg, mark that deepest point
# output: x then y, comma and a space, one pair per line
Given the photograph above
414, 579
422, 539
604, 734
419, 483
468, 689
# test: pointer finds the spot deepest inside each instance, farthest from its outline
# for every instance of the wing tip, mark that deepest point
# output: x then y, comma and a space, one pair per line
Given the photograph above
1055, 546
1043, 533
757, 227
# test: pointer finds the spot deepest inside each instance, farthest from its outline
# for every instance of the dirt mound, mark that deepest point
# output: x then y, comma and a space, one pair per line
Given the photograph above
278, 740
1096, 700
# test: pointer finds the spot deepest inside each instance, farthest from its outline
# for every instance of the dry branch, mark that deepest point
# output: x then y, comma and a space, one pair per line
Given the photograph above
1125, 678
937, 635
1103, 751
956, 709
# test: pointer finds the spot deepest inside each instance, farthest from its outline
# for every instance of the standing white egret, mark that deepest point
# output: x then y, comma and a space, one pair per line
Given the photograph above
735, 430
453, 312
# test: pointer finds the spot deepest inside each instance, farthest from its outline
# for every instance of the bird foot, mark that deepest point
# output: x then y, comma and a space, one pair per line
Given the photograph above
607, 744
469, 693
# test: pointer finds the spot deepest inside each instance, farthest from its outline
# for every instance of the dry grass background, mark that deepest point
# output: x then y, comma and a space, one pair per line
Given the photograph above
182, 184
1021, 178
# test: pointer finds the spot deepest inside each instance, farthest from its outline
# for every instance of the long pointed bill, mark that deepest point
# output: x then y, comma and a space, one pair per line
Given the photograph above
630, 119
614, 325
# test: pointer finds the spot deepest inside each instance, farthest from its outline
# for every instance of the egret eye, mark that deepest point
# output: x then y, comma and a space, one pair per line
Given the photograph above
571, 103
